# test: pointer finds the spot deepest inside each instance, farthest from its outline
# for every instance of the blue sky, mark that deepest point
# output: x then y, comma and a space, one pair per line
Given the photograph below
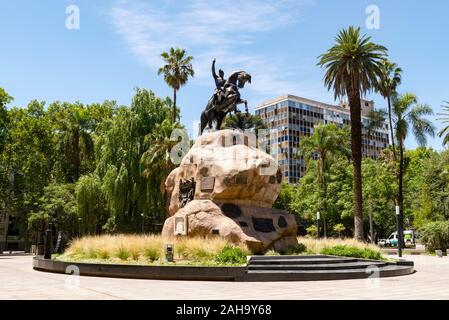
118, 44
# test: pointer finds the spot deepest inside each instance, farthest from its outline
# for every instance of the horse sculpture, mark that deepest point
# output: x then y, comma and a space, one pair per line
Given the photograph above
225, 99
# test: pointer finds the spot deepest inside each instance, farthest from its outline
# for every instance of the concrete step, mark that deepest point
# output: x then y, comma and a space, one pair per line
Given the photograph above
320, 266
301, 261
338, 274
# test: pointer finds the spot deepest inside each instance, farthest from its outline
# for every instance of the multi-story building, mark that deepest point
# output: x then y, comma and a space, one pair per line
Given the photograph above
294, 117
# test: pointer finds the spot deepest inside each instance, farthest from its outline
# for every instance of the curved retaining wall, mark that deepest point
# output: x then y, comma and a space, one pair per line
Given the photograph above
261, 269
142, 271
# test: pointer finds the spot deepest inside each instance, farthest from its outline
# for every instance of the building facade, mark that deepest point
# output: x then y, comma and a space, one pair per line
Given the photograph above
293, 117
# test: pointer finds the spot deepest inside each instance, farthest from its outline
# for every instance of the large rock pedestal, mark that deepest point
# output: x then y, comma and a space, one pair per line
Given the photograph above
235, 187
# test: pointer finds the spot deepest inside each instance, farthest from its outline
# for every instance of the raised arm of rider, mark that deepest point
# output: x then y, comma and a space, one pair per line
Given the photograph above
213, 70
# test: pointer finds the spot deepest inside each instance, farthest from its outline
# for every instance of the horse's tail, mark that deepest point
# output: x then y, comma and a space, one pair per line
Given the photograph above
204, 121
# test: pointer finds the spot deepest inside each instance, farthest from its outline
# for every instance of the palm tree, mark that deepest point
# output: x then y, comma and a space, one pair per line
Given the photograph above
77, 143
445, 131
156, 161
408, 114
390, 79
326, 142
244, 121
177, 70
353, 66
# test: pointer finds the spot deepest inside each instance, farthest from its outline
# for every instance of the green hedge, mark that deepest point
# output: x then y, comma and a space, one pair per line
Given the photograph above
435, 235
231, 255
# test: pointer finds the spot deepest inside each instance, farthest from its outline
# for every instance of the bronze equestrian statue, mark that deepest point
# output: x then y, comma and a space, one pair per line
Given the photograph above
225, 98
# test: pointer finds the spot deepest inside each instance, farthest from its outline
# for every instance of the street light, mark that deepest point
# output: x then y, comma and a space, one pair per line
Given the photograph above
318, 224
143, 223
79, 227
399, 231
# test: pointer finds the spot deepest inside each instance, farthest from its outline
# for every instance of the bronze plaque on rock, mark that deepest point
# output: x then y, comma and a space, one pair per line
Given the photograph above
207, 184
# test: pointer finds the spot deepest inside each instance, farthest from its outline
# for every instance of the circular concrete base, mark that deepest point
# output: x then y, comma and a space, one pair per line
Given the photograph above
259, 268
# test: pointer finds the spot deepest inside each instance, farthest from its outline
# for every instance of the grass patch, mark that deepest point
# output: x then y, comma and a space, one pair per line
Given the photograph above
145, 249
341, 247
346, 251
212, 251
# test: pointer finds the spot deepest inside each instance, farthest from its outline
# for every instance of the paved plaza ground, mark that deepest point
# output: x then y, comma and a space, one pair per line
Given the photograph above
19, 281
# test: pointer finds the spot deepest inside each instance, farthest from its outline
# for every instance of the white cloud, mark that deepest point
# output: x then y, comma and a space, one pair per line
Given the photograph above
227, 31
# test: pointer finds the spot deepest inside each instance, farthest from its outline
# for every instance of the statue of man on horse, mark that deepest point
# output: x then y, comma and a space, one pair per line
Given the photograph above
225, 98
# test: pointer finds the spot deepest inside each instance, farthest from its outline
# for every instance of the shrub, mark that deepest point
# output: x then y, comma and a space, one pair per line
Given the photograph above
231, 255
347, 251
312, 231
339, 228
298, 249
152, 254
122, 253
103, 254
435, 235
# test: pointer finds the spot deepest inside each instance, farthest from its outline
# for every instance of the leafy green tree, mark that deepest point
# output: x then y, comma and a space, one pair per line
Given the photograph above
338, 228
379, 192
285, 197
5, 98
353, 66
27, 160
390, 79
176, 70
128, 191
91, 204
426, 186
156, 161
409, 116
57, 206
244, 121
326, 142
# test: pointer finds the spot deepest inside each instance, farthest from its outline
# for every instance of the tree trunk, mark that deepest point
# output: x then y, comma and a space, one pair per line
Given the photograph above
174, 105
356, 148
323, 195
401, 195
4, 217
391, 128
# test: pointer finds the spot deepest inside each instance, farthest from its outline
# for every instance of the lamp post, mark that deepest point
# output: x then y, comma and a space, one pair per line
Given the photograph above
48, 242
371, 227
143, 222
79, 227
399, 231
318, 224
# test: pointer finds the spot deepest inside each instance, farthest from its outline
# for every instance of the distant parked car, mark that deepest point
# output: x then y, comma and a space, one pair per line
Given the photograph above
382, 242
409, 239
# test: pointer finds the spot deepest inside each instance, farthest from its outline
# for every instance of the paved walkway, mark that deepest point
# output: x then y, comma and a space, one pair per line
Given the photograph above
19, 281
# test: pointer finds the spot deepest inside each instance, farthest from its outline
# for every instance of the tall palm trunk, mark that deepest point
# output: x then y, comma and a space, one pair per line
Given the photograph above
323, 193
391, 127
356, 148
401, 194
174, 105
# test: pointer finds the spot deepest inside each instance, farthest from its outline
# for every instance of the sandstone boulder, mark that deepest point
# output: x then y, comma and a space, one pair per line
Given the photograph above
227, 166
226, 186
259, 228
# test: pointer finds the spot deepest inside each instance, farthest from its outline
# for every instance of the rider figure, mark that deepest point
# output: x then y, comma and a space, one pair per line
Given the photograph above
219, 83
